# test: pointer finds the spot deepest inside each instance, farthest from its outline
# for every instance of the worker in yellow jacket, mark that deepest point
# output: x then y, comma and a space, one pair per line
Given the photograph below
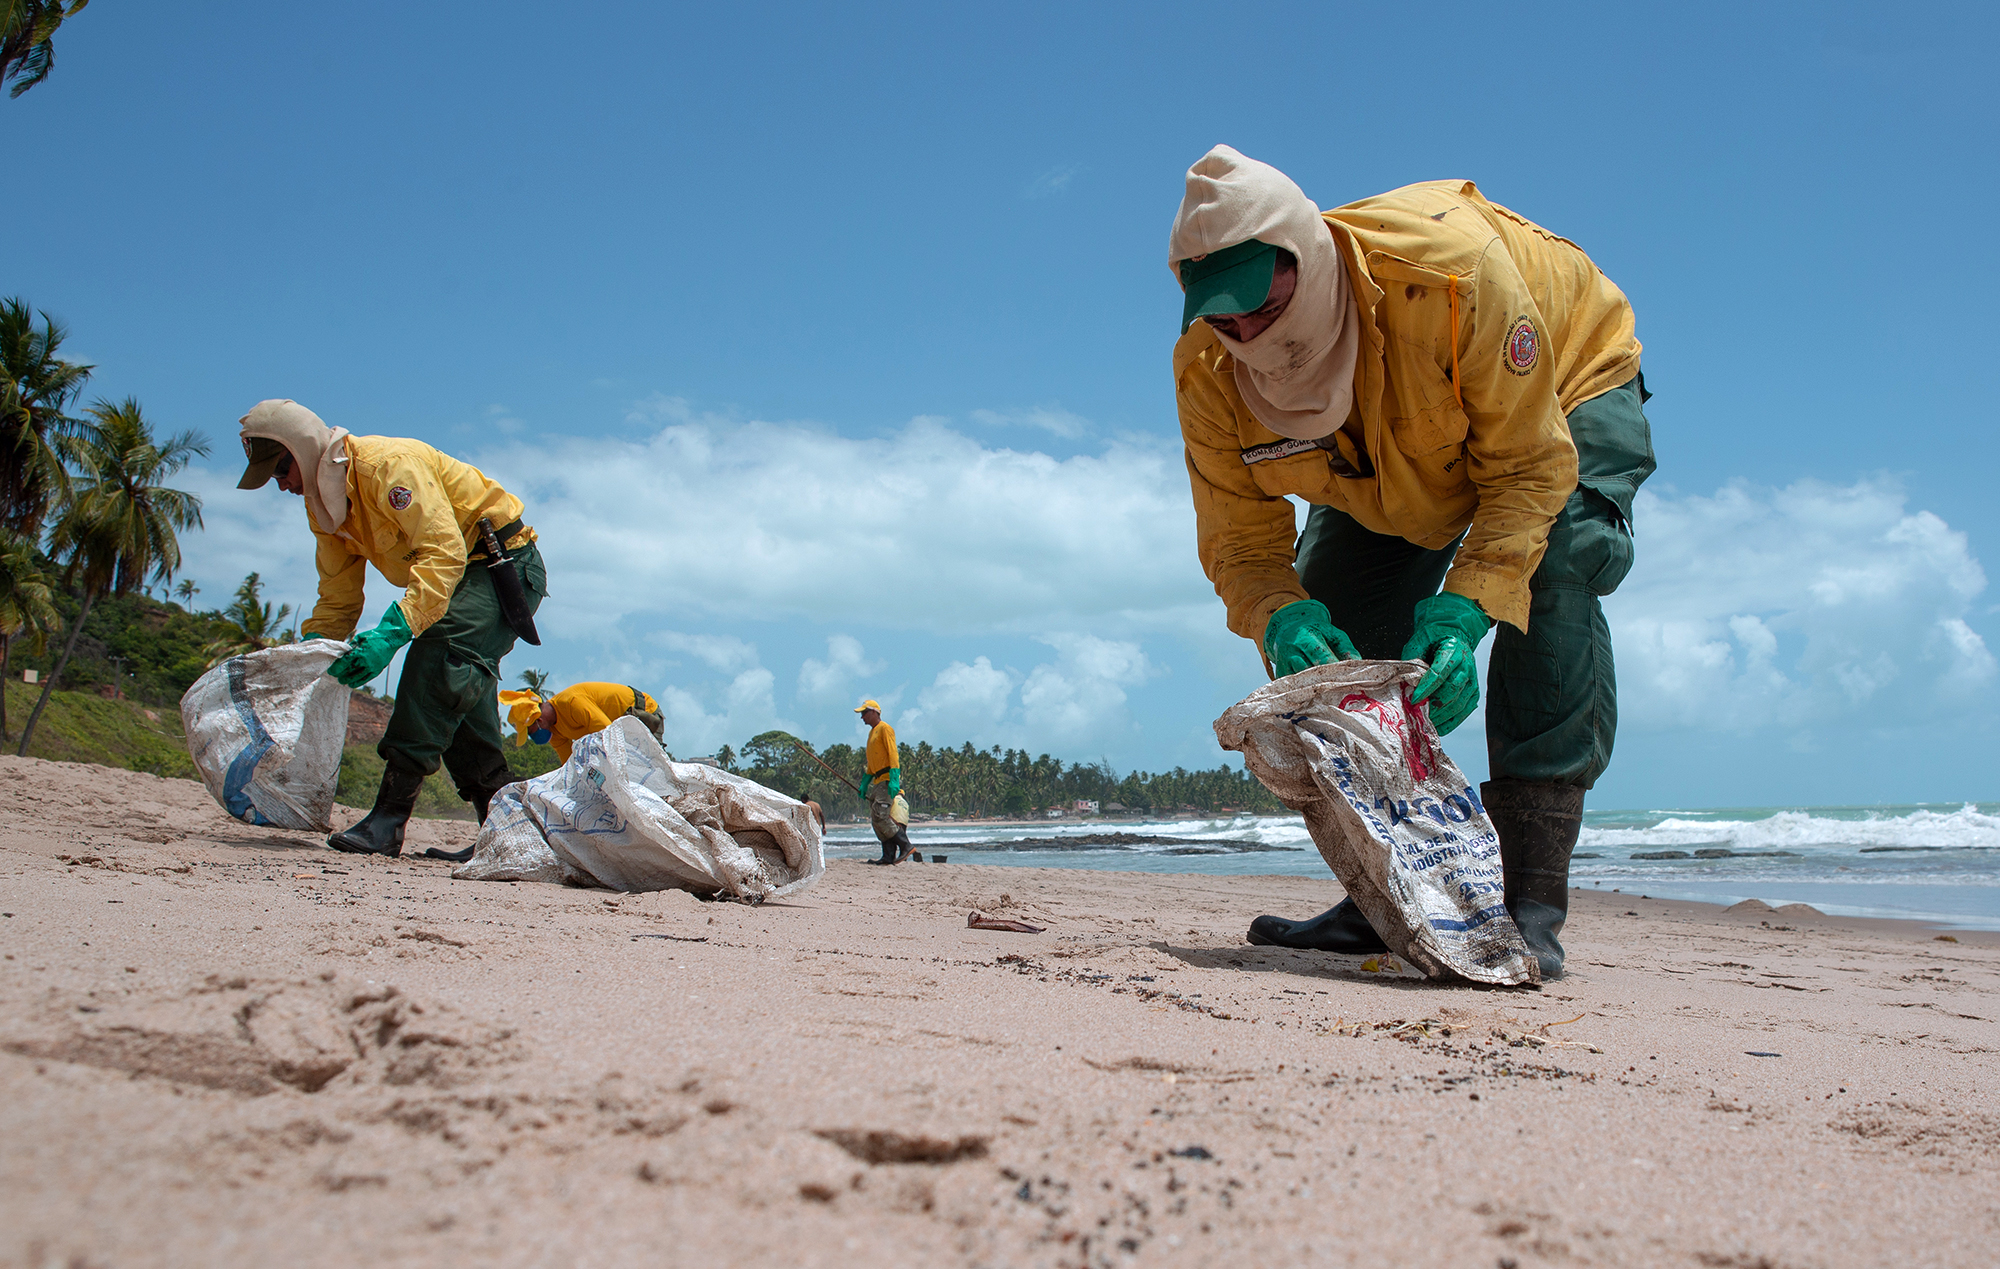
414, 513
583, 709
1455, 392
881, 783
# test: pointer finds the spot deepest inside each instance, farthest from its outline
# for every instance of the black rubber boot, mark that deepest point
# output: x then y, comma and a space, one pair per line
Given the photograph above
1341, 928
482, 803
904, 846
381, 831
888, 853
1537, 823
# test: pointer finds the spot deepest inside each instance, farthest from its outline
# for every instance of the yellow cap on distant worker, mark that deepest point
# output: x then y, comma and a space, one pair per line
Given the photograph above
524, 712
865, 706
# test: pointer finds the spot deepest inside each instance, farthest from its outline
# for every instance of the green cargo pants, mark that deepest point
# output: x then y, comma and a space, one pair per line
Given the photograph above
447, 701
1551, 694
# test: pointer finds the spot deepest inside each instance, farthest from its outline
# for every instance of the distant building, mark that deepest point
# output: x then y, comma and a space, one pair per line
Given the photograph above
1085, 806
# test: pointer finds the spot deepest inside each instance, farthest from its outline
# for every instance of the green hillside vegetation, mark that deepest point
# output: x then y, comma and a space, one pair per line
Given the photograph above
150, 650
87, 727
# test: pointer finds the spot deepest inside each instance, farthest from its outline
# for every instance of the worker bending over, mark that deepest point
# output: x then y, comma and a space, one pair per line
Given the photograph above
415, 514
578, 711
880, 784
1455, 390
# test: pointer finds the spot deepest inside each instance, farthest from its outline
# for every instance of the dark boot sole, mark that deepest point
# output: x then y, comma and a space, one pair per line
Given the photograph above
359, 846
449, 856
1274, 935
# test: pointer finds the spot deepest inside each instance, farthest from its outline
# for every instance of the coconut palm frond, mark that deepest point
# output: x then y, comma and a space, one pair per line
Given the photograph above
36, 388
27, 39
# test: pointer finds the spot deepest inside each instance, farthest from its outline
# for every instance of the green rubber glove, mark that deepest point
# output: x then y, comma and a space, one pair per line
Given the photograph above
1449, 628
861, 790
372, 649
895, 781
1302, 635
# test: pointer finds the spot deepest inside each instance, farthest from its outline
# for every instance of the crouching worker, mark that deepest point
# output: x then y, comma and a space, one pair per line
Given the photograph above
575, 712
880, 784
1455, 391
428, 523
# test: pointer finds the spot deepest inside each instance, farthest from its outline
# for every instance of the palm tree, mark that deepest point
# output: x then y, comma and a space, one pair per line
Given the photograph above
187, 590
27, 605
121, 524
27, 39
536, 681
251, 625
36, 386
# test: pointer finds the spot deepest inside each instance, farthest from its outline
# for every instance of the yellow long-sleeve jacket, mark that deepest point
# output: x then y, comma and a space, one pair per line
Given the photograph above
1461, 438
414, 514
882, 750
584, 709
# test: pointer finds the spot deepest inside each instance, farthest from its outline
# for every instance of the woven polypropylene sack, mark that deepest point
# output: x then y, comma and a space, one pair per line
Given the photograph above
266, 729
622, 815
1393, 816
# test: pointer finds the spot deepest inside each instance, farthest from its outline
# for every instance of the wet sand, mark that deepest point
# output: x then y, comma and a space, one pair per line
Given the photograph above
223, 1045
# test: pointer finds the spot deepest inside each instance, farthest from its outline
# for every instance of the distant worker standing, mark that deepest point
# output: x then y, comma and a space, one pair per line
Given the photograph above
428, 523
583, 709
880, 784
1455, 393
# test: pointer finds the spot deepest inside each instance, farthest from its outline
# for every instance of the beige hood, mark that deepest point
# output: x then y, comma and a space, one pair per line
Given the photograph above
1297, 377
319, 450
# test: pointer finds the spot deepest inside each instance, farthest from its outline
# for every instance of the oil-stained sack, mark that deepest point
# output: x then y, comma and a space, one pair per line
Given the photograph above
266, 729
1393, 816
622, 815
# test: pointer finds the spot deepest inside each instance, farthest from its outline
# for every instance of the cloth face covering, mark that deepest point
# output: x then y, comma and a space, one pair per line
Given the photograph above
1297, 377
319, 450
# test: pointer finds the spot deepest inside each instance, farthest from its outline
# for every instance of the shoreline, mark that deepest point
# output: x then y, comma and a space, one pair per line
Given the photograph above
1982, 935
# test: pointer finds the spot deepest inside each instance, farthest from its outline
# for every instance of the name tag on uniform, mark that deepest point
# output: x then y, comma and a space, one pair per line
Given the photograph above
1326, 445
1277, 449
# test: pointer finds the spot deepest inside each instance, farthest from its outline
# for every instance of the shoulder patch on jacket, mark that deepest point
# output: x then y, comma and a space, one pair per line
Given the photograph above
399, 498
1524, 346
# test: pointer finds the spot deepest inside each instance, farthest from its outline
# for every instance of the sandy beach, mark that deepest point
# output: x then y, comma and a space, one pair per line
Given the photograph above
224, 1045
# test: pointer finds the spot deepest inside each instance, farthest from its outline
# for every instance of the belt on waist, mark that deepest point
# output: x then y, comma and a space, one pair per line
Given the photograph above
505, 534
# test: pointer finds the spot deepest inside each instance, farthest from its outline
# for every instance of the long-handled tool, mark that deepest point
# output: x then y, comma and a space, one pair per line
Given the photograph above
801, 745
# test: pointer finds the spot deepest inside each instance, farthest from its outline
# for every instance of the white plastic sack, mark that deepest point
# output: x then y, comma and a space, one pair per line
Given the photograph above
1395, 819
622, 815
266, 729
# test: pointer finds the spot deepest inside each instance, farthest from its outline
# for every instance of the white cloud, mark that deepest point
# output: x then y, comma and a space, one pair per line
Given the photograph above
1052, 182
1793, 607
969, 700
1048, 418
760, 521
1070, 704
743, 707
828, 681
725, 653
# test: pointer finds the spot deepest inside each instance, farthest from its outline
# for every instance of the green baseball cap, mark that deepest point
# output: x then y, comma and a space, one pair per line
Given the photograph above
1227, 282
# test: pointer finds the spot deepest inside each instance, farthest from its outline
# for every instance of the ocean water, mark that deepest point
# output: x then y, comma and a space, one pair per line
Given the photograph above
1932, 862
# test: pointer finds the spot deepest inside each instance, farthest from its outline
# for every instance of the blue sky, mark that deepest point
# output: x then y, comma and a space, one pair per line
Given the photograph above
830, 346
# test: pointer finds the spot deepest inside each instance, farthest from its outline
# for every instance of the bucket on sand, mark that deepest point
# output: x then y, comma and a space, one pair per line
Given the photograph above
937, 859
